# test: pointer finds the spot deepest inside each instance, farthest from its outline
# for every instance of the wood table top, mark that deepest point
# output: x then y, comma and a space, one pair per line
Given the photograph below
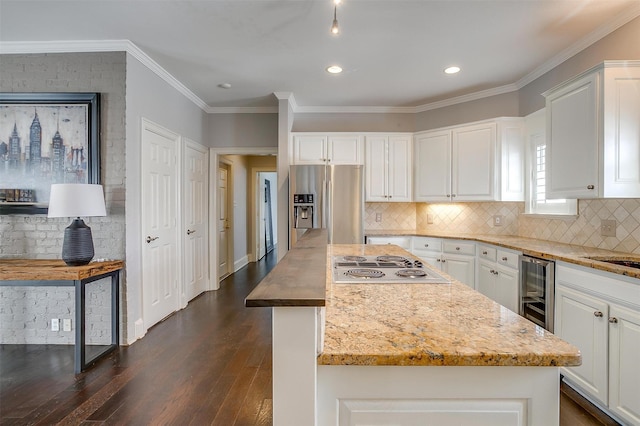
53, 269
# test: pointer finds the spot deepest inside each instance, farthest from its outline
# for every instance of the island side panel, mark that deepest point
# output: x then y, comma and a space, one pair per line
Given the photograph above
491, 396
295, 340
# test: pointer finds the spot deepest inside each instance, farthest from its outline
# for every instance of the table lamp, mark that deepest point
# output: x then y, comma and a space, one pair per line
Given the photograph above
75, 200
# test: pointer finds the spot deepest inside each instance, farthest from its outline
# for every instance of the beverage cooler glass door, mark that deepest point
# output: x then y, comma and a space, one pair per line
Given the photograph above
536, 291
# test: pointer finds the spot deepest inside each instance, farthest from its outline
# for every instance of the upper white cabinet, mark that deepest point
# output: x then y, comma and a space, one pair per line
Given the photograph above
311, 148
388, 168
479, 162
593, 134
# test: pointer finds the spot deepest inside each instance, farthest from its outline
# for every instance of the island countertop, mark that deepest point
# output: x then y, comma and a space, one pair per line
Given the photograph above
428, 324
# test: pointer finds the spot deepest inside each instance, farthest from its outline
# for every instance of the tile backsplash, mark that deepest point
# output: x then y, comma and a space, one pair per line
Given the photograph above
478, 218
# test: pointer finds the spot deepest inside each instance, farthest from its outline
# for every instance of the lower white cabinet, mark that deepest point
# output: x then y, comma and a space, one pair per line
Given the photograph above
498, 275
402, 241
600, 314
456, 258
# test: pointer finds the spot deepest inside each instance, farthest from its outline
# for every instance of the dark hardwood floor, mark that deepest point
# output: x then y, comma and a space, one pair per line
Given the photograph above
209, 364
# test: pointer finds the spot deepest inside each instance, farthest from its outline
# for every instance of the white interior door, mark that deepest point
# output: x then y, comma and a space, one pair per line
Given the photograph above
195, 219
160, 263
223, 221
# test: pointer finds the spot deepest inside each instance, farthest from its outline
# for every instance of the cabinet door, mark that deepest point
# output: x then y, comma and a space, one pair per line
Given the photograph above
430, 257
432, 167
486, 279
376, 168
582, 320
309, 149
473, 162
624, 369
622, 132
462, 268
507, 288
572, 140
399, 184
344, 149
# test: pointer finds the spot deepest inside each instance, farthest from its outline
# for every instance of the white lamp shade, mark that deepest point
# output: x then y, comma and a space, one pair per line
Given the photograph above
76, 200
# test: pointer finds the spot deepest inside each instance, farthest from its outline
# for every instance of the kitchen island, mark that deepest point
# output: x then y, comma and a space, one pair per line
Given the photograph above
407, 353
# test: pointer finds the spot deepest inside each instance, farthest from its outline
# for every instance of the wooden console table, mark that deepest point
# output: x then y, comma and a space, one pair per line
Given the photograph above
55, 273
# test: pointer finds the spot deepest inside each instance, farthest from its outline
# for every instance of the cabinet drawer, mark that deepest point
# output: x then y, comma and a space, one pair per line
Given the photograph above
508, 258
488, 253
427, 244
459, 247
404, 242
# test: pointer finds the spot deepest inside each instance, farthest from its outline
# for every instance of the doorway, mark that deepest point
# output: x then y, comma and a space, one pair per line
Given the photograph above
225, 233
266, 182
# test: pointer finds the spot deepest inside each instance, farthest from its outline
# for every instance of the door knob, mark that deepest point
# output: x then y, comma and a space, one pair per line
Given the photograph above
189, 231
149, 239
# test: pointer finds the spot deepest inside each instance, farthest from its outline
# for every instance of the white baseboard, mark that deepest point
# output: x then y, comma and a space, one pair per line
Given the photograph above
240, 263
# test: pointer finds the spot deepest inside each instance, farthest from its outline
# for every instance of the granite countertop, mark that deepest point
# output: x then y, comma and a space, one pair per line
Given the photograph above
429, 324
538, 248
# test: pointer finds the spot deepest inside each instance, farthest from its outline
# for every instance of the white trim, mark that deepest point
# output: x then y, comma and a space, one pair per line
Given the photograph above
244, 260
67, 46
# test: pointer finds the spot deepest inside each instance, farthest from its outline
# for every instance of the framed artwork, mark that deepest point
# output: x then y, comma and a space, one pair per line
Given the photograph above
46, 138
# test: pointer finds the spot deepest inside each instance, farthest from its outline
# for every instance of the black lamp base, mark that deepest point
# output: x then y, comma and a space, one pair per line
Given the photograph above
77, 248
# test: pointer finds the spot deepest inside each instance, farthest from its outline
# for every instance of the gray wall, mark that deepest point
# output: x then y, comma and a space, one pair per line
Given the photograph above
243, 130
25, 312
353, 122
624, 43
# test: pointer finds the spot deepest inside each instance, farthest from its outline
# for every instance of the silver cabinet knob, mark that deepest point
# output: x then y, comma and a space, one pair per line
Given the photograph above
484, 252
597, 314
448, 195
426, 245
443, 260
457, 248
189, 231
590, 187
453, 195
438, 260
149, 239
504, 259
613, 320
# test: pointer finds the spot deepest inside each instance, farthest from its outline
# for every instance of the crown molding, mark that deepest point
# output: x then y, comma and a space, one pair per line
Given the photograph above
78, 46
580, 45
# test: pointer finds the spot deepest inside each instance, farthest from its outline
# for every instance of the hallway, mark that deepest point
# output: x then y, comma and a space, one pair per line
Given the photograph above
208, 364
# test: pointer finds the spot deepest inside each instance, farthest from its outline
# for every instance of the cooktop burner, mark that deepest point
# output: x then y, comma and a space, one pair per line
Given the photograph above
364, 273
411, 273
383, 269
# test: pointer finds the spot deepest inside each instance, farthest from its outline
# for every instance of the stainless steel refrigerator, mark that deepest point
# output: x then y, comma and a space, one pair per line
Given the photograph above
330, 197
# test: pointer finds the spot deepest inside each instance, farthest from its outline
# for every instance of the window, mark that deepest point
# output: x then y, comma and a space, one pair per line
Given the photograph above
537, 203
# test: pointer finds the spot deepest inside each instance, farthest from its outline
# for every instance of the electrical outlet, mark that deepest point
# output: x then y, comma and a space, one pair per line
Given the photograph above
497, 220
607, 228
378, 217
429, 218
66, 324
55, 324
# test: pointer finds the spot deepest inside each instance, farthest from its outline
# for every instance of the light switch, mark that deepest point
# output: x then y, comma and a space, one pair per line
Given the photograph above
607, 228
497, 220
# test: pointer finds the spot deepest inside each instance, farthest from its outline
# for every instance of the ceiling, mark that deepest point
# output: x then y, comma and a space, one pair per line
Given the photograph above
393, 52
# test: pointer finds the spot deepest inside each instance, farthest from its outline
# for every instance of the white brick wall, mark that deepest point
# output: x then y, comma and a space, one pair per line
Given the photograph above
26, 312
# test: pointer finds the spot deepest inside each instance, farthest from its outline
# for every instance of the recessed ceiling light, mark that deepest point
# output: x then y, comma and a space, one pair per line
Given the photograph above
334, 69
452, 70
224, 85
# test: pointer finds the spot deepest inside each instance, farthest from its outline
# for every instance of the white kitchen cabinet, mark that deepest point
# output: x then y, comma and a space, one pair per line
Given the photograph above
599, 313
498, 275
388, 168
402, 241
477, 162
593, 133
327, 149
428, 249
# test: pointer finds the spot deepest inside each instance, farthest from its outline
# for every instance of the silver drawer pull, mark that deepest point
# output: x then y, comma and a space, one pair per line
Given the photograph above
597, 314
189, 231
149, 239
613, 320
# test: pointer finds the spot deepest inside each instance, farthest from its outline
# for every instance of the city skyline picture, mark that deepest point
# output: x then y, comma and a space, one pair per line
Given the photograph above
41, 144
